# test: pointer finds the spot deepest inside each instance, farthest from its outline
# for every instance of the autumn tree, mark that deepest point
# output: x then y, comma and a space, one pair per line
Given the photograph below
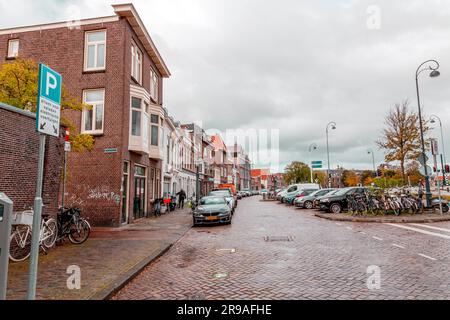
350, 178
401, 137
19, 86
367, 177
297, 172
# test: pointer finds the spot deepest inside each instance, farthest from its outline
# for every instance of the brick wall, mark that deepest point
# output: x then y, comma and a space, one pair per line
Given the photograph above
95, 177
19, 148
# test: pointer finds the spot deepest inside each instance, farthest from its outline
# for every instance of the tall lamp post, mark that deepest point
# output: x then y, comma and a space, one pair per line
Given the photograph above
312, 147
332, 126
443, 160
432, 66
370, 151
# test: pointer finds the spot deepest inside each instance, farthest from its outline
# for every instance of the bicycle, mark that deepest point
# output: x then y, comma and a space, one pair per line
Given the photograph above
20, 240
72, 225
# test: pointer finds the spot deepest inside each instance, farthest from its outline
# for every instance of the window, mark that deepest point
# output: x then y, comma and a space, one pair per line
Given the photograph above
136, 113
95, 50
13, 48
92, 119
154, 85
154, 119
136, 63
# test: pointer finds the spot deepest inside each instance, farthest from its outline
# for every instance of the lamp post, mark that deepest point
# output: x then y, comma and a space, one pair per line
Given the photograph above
312, 147
443, 160
370, 151
331, 125
433, 66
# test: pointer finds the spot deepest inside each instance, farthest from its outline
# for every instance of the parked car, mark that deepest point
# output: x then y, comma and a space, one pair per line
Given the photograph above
290, 197
337, 202
214, 209
232, 201
296, 187
307, 202
254, 192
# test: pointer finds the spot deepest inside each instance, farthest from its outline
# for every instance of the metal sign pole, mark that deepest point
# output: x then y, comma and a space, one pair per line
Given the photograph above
36, 222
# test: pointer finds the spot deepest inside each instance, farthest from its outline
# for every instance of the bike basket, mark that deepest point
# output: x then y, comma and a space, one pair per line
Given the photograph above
22, 218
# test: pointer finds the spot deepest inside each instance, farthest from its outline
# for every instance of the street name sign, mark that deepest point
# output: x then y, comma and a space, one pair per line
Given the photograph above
49, 101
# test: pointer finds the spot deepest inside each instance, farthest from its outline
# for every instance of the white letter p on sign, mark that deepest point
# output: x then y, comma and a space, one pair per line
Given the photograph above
50, 83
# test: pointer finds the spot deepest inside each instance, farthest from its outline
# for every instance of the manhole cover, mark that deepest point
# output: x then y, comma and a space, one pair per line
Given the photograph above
220, 275
278, 238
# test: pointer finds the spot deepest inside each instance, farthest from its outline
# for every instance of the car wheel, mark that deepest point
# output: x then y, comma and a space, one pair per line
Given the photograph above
308, 205
336, 208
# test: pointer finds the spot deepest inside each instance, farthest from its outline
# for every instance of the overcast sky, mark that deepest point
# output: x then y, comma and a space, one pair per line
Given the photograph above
288, 64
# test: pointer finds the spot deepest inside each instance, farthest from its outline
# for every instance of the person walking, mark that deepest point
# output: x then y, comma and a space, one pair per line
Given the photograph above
181, 197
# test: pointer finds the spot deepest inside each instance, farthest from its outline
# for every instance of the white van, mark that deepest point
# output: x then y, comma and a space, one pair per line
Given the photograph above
297, 187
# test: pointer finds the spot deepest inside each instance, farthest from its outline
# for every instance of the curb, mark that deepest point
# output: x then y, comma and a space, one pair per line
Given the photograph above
112, 288
382, 220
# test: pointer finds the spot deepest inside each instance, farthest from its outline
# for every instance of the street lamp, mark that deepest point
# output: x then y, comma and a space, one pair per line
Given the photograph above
443, 160
312, 147
433, 66
331, 125
370, 151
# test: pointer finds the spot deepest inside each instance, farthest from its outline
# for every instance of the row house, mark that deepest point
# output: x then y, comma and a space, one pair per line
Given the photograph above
242, 166
220, 161
111, 64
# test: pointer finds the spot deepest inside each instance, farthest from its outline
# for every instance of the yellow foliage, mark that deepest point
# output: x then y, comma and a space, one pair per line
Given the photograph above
18, 88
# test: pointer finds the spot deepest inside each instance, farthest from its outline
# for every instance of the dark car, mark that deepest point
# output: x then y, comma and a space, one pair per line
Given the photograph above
232, 200
337, 202
212, 210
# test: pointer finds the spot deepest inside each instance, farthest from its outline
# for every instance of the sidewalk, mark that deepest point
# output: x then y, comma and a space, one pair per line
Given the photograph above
417, 218
107, 260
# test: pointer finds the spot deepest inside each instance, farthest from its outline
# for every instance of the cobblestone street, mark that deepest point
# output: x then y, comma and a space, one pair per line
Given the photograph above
272, 251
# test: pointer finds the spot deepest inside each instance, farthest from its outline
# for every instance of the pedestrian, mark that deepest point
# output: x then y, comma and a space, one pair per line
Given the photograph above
181, 197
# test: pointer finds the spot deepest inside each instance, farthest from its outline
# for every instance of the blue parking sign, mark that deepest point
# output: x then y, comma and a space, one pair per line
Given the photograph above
48, 101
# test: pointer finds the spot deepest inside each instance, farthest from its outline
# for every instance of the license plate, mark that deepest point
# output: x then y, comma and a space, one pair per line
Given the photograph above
211, 218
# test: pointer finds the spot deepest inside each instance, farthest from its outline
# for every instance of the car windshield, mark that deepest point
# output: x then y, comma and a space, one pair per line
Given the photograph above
212, 200
223, 193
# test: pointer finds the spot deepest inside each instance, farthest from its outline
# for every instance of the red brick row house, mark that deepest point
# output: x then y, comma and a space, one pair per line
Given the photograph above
112, 64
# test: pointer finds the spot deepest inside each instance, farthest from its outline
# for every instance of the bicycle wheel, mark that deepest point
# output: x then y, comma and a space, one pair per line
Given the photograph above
79, 231
50, 233
20, 244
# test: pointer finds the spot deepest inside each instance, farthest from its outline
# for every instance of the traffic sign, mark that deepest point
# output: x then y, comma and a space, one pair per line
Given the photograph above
434, 147
422, 170
423, 159
49, 101
67, 146
316, 164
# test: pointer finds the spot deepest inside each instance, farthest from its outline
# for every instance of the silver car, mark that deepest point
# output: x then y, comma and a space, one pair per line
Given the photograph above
307, 202
212, 210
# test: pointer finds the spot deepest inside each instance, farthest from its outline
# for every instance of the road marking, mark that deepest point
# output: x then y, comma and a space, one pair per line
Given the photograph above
376, 238
430, 227
427, 257
339, 224
349, 228
362, 232
398, 246
419, 230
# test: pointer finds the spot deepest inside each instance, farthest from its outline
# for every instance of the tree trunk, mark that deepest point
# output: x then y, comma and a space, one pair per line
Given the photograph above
402, 167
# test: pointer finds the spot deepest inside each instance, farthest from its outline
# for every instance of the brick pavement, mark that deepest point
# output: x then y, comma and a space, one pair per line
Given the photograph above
107, 258
325, 260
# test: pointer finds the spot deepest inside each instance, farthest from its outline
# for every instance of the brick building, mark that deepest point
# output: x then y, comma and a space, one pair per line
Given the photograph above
112, 64
19, 151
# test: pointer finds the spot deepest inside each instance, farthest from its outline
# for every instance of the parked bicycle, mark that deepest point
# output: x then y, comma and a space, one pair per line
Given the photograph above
71, 225
20, 240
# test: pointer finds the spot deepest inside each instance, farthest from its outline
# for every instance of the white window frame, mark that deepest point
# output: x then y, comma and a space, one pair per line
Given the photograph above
12, 54
141, 118
94, 106
96, 43
154, 85
136, 63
